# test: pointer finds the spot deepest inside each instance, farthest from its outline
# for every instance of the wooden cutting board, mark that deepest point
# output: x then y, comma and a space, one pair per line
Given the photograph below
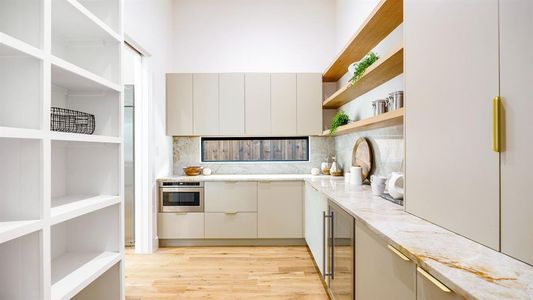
362, 156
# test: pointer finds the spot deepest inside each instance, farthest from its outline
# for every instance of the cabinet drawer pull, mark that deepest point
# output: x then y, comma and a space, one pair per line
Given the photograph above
401, 255
434, 280
230, 212
496, 105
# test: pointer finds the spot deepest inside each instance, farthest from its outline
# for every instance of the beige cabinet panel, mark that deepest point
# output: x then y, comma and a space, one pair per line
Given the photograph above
231, 196
179, 109
283, 104
516, 76
452, 174
427, 290
257, 104
315, 205
180, 225
231, 104
280, 209
380, 273
309, 103
205, 98
231, 226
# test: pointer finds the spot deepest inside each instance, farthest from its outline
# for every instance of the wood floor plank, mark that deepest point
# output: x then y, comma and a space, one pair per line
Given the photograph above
285, 273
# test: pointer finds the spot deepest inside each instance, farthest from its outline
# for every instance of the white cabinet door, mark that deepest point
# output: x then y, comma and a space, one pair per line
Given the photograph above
280, 210
516, 60
309, 103
257, 99
205, 95
451, 63
231, 108
230, 225
180, 225
315, 205
179, 108
231, 196
427, 289
381, 272
283, 104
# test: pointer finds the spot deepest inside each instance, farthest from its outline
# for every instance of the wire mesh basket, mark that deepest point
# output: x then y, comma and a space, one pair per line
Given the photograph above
67, 120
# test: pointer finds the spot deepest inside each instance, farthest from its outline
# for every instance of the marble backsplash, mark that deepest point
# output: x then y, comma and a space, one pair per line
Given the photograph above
387, 147
186, 151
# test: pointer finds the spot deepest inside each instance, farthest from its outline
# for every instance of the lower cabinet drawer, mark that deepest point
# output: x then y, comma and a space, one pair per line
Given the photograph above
180, 225
231, 225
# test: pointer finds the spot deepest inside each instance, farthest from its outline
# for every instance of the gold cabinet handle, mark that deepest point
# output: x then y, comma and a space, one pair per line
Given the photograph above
496, 105
401, 255
231, 212
433, 280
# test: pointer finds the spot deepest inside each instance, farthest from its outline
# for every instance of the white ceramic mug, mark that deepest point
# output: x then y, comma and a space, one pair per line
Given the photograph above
378, 184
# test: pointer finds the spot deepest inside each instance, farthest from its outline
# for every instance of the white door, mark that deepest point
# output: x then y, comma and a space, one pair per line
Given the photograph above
309, 103
280, 210
451, 76
205, 95
257, 99
179, 104
516, 61
315, 205
283, 105
231, 110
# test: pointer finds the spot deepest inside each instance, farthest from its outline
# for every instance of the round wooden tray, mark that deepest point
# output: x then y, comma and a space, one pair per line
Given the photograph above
362, 156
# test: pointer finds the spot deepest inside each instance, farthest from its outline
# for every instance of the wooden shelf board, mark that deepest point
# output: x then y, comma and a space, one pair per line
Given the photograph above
14, 229
380, 72
76, 137
72, 206
387, 15
10, 46
72, 77
73, 271
387, 119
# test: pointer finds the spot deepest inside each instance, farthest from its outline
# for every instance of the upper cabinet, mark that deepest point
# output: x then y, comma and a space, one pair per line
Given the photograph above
451, 170
516, 76
257, 104
309, 104
179, 108
237, 104
283, 104
231, 103
205, 104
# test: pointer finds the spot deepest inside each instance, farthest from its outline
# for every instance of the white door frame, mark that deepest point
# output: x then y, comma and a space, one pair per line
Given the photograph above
143, 147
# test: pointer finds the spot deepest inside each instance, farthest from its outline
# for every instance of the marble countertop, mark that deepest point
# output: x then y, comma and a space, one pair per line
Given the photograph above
233, 177
470, 269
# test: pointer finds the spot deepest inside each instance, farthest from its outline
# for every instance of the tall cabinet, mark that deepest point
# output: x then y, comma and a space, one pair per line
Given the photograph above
516, 76
454, 69
61, 194
451, 76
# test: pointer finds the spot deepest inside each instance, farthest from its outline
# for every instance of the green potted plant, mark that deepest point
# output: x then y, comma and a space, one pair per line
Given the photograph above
341, 118
358, 69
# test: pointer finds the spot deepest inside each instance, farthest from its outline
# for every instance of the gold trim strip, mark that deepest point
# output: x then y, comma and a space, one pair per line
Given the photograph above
439, 284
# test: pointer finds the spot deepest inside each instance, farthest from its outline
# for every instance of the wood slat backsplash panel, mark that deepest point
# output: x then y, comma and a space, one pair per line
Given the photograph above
255, 149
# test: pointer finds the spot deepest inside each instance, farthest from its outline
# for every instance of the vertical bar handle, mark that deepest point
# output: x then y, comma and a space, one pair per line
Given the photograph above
332, 262
324, 238
496, 105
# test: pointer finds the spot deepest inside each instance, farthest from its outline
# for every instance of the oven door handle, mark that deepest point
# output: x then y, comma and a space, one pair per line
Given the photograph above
179, 190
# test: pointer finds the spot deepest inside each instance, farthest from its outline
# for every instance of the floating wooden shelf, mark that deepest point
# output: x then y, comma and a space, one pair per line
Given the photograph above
383, 20
380, 72
387, 119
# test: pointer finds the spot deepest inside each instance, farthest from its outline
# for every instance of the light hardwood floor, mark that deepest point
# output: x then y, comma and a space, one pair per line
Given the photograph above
223, 273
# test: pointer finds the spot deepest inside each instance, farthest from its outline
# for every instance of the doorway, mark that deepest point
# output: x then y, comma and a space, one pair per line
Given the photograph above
132, 87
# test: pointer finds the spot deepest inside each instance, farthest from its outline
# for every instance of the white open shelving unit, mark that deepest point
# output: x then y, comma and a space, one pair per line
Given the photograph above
61, 194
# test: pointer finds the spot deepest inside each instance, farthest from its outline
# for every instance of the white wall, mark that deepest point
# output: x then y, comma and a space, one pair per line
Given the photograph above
149, 24
253, 36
